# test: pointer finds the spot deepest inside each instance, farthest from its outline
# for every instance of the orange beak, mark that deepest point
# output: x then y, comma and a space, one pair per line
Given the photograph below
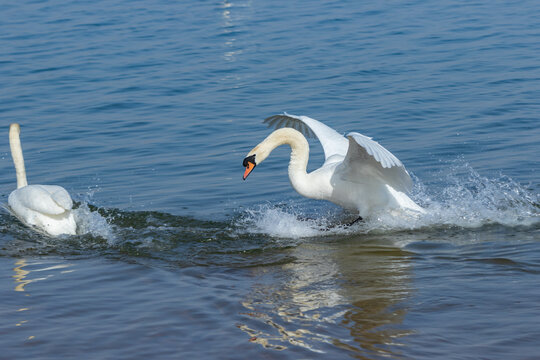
249, 168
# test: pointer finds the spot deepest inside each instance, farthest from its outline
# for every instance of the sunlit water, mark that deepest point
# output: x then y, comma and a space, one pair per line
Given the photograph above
144, 112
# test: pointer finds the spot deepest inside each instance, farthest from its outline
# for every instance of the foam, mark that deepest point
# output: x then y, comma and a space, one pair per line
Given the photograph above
92, 223
470, 200
286, 223
466, 200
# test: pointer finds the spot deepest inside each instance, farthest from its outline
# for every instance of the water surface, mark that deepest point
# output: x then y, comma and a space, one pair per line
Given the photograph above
144, 112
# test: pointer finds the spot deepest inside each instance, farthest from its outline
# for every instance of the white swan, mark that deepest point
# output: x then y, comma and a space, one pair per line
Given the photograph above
46, 208
358, 173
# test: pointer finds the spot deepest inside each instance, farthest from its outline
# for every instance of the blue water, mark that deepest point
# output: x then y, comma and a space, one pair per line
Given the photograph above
144, 112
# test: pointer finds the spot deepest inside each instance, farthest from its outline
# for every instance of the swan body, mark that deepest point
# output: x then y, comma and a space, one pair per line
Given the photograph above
358, 173
46, 208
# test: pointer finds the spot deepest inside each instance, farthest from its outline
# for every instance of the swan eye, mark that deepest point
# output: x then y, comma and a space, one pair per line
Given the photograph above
249, 159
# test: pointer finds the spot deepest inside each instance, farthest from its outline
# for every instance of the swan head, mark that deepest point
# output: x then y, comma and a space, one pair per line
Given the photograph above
279, 137
249, 163
261, 151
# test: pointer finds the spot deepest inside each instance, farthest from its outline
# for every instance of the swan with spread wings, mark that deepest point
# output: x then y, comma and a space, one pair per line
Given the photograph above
358, 173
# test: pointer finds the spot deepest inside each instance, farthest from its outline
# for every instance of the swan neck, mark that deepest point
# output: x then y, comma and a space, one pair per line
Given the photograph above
298, 175
299, 148
299, 157
17, 155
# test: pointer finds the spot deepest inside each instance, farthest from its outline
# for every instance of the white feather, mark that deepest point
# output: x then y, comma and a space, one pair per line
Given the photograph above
47, 208
358, 172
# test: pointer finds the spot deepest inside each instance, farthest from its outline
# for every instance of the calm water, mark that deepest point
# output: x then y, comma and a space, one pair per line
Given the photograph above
144, 111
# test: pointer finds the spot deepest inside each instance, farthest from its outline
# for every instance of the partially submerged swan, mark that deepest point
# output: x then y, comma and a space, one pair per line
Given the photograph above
358, 173
46, 208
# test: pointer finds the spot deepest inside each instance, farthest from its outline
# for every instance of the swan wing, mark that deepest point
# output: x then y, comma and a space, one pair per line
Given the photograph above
367, 158
61, 197
46, 199
332, 142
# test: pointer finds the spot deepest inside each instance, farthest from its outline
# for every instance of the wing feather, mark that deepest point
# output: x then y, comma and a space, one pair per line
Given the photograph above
367, 158
46, 199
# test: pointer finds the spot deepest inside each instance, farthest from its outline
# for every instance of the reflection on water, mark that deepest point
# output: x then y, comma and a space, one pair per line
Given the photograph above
21, 281
21, 273
27, 273
378, 283
360, 288
233, 16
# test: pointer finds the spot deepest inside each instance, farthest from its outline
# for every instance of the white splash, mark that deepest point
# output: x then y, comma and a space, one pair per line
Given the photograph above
91, 222
286, 223
471, 200
467, 200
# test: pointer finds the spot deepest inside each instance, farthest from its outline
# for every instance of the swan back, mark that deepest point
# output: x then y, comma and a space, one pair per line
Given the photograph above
45, 199
17, 155
34, 207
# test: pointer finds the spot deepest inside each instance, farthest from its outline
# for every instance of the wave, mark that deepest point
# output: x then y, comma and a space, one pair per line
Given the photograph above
467, 200
470, 200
